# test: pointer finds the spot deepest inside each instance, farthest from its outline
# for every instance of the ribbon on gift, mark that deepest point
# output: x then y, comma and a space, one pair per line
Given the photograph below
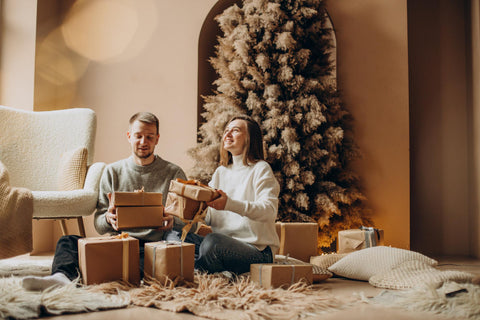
185, 183
199, 217
371, 236
125, 255
166, 243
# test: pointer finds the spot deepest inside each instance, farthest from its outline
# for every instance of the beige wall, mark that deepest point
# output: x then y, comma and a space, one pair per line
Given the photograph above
373, 76
17, 55
142, 55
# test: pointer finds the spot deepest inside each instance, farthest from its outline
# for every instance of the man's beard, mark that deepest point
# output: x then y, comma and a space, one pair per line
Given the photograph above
143, 156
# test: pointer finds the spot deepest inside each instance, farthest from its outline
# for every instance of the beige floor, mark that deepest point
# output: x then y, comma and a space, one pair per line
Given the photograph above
341, 288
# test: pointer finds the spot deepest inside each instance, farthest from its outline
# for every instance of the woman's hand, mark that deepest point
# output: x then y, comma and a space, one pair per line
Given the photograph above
220, 202
111, 214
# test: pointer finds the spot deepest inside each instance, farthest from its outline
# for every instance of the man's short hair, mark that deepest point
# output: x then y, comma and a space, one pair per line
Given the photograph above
146, 117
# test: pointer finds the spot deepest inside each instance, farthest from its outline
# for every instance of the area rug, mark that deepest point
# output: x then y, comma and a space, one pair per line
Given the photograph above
25, 267
210, 296
221, 298
17, 303
456, 300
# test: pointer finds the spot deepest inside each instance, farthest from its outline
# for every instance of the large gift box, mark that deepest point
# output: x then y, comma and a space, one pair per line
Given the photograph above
139, 217
271, 275
182, 207
138, 198
298, 239
186, 199
105, 259
138, 209
357, 239
169, 259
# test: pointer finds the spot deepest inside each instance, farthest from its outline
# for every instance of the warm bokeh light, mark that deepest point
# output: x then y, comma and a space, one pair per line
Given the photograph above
55, 62
102, 30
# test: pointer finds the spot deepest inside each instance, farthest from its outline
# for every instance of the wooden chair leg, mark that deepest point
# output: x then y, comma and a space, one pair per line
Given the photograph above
63, 225
81, 227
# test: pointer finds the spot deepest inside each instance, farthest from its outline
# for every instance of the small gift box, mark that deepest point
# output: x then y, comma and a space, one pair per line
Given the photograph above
193, 189
298, 239
357, 239
271, 275
169, 259
182, 207
139, 217
105, 259
135, 199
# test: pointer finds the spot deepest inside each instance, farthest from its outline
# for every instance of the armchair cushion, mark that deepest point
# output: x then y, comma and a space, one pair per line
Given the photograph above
72, 169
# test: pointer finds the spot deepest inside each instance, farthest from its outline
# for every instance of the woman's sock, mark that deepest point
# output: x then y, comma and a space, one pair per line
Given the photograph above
42, 283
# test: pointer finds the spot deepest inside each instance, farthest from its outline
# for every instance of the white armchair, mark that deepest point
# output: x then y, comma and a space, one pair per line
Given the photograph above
51, 153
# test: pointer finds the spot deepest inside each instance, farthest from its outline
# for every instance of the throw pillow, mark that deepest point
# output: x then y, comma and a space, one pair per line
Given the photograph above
324, 261
416, 273
365, 263
72, 169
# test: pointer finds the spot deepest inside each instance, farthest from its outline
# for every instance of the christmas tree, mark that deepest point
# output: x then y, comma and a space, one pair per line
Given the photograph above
273, 63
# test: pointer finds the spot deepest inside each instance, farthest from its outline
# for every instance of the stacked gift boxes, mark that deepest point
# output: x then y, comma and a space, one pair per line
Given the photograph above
105, 259
169, 260
138, 209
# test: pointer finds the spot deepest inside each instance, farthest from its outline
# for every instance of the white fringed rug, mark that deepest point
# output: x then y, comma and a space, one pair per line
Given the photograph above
457, 300
25, 267
18, 303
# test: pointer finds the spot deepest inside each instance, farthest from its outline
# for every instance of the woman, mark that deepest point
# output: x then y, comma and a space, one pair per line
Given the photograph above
243, 217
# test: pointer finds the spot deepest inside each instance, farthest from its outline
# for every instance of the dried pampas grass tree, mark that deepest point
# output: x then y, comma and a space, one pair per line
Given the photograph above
274, 63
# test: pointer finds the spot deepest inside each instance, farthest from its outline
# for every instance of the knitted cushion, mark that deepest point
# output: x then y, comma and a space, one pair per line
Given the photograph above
363, 264
324, 261
72, 169
414, 273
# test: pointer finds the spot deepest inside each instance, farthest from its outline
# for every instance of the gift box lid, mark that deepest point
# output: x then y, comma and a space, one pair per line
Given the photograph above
193, 189
137, 198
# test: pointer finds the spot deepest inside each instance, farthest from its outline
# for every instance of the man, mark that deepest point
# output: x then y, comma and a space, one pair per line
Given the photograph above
143, 169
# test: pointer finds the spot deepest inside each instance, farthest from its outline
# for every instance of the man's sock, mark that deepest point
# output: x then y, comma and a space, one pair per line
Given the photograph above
42, 283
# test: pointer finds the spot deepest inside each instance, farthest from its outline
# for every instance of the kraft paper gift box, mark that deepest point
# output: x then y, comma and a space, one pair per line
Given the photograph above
193, 189
135, 199
140, 217
298, 239
105, 259
182, 207
271, 275
357, 239
169, 259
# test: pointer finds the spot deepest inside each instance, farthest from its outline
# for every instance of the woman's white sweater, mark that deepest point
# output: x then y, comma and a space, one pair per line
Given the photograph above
252, 205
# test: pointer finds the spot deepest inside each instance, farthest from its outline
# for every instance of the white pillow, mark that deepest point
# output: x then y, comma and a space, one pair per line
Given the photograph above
365, 263
416, 273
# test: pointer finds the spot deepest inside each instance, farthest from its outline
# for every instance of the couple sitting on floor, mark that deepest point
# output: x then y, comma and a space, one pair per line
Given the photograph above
242, 218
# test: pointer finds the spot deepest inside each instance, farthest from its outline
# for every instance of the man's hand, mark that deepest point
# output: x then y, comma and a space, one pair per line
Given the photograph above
111, 214
168, 219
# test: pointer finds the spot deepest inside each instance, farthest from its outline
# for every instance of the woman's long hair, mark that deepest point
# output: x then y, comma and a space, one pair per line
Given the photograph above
253, 151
